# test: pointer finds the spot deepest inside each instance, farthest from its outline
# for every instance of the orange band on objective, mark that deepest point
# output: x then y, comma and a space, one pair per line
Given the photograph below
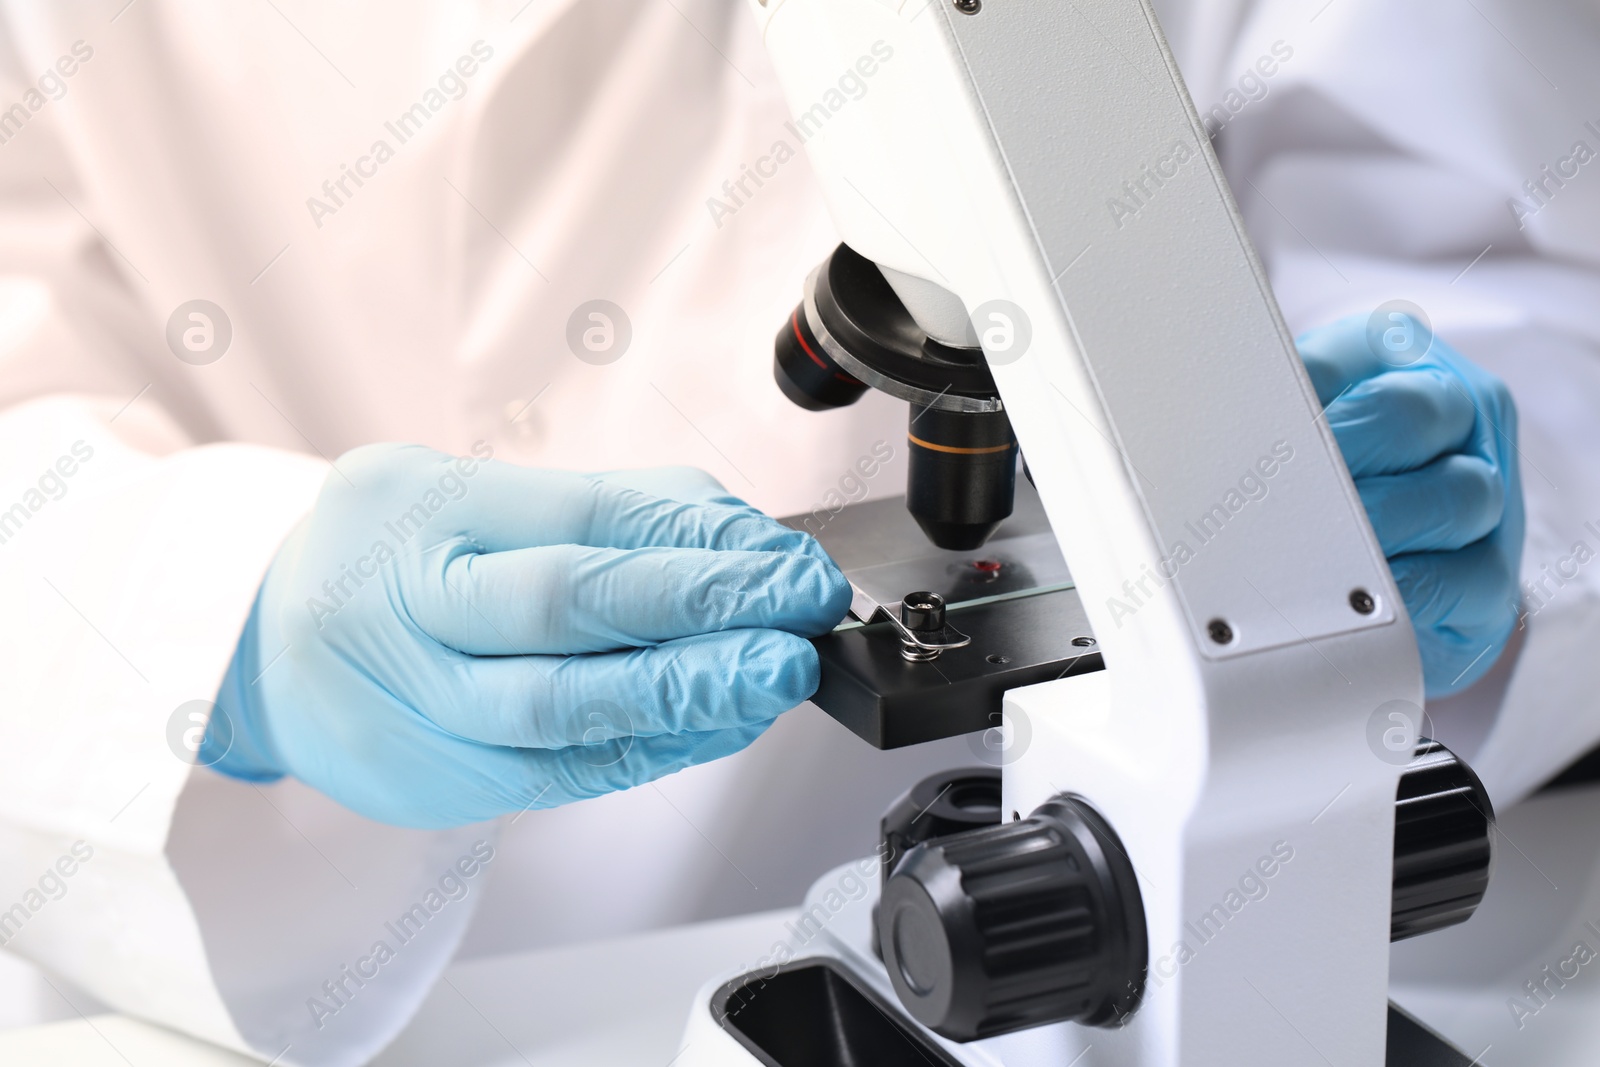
989, 451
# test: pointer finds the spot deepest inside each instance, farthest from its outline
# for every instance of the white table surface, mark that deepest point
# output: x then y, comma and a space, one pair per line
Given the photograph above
619, 1003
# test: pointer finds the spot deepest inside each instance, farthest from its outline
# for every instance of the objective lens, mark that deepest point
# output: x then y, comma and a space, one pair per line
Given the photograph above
963, 475
806, 373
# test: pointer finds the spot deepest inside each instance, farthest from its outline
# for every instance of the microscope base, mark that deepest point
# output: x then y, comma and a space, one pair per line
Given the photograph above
824, 1000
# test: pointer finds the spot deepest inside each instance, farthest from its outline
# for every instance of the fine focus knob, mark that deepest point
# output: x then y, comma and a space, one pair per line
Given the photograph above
1442, 848
949, 802
1016, 925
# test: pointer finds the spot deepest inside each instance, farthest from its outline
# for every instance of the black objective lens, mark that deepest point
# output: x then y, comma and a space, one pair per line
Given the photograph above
806, 373
963, 475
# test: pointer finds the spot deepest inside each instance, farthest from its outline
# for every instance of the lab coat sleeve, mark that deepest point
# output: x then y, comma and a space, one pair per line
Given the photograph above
129, 559
262, 918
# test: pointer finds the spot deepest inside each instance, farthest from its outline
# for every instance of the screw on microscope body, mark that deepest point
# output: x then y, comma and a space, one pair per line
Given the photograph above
1220, 632
1363, 602
969, 7
1083, 642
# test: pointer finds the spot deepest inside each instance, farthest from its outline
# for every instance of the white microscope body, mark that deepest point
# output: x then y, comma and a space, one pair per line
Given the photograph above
1046, 155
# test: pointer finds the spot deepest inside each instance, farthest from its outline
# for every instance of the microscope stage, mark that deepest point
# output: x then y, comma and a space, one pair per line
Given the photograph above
1014, 597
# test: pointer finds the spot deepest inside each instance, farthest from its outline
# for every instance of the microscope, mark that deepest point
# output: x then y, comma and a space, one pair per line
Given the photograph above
1205, 804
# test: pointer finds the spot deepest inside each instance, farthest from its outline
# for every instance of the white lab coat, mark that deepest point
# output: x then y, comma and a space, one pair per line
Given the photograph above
430, 303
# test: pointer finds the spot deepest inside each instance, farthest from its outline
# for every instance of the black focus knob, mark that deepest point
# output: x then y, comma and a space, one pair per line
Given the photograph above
1016, 925
949, 802
1442, 846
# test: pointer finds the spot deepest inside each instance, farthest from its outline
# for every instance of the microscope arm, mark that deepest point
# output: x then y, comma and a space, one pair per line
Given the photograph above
1038, 166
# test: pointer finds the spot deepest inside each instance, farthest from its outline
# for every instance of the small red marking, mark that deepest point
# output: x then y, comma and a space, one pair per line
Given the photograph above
794, 321
987, 566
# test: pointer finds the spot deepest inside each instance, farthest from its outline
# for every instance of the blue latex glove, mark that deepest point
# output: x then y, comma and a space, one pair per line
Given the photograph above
537, 637
1431, 444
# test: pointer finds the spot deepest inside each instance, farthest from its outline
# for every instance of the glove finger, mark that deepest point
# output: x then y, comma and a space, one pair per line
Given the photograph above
1448, 504
1401, 420
561, 777
693, 685
1463, 606
1337, 357
687, 485
567, 599
501, 506
526, 507
1495, 434
488, 780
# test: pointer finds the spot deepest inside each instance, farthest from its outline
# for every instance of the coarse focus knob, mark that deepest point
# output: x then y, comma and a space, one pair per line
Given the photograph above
1442, 848
1016, 925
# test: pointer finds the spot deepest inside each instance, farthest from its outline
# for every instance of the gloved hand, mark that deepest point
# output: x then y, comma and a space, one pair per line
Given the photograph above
441, 641
1431, 444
